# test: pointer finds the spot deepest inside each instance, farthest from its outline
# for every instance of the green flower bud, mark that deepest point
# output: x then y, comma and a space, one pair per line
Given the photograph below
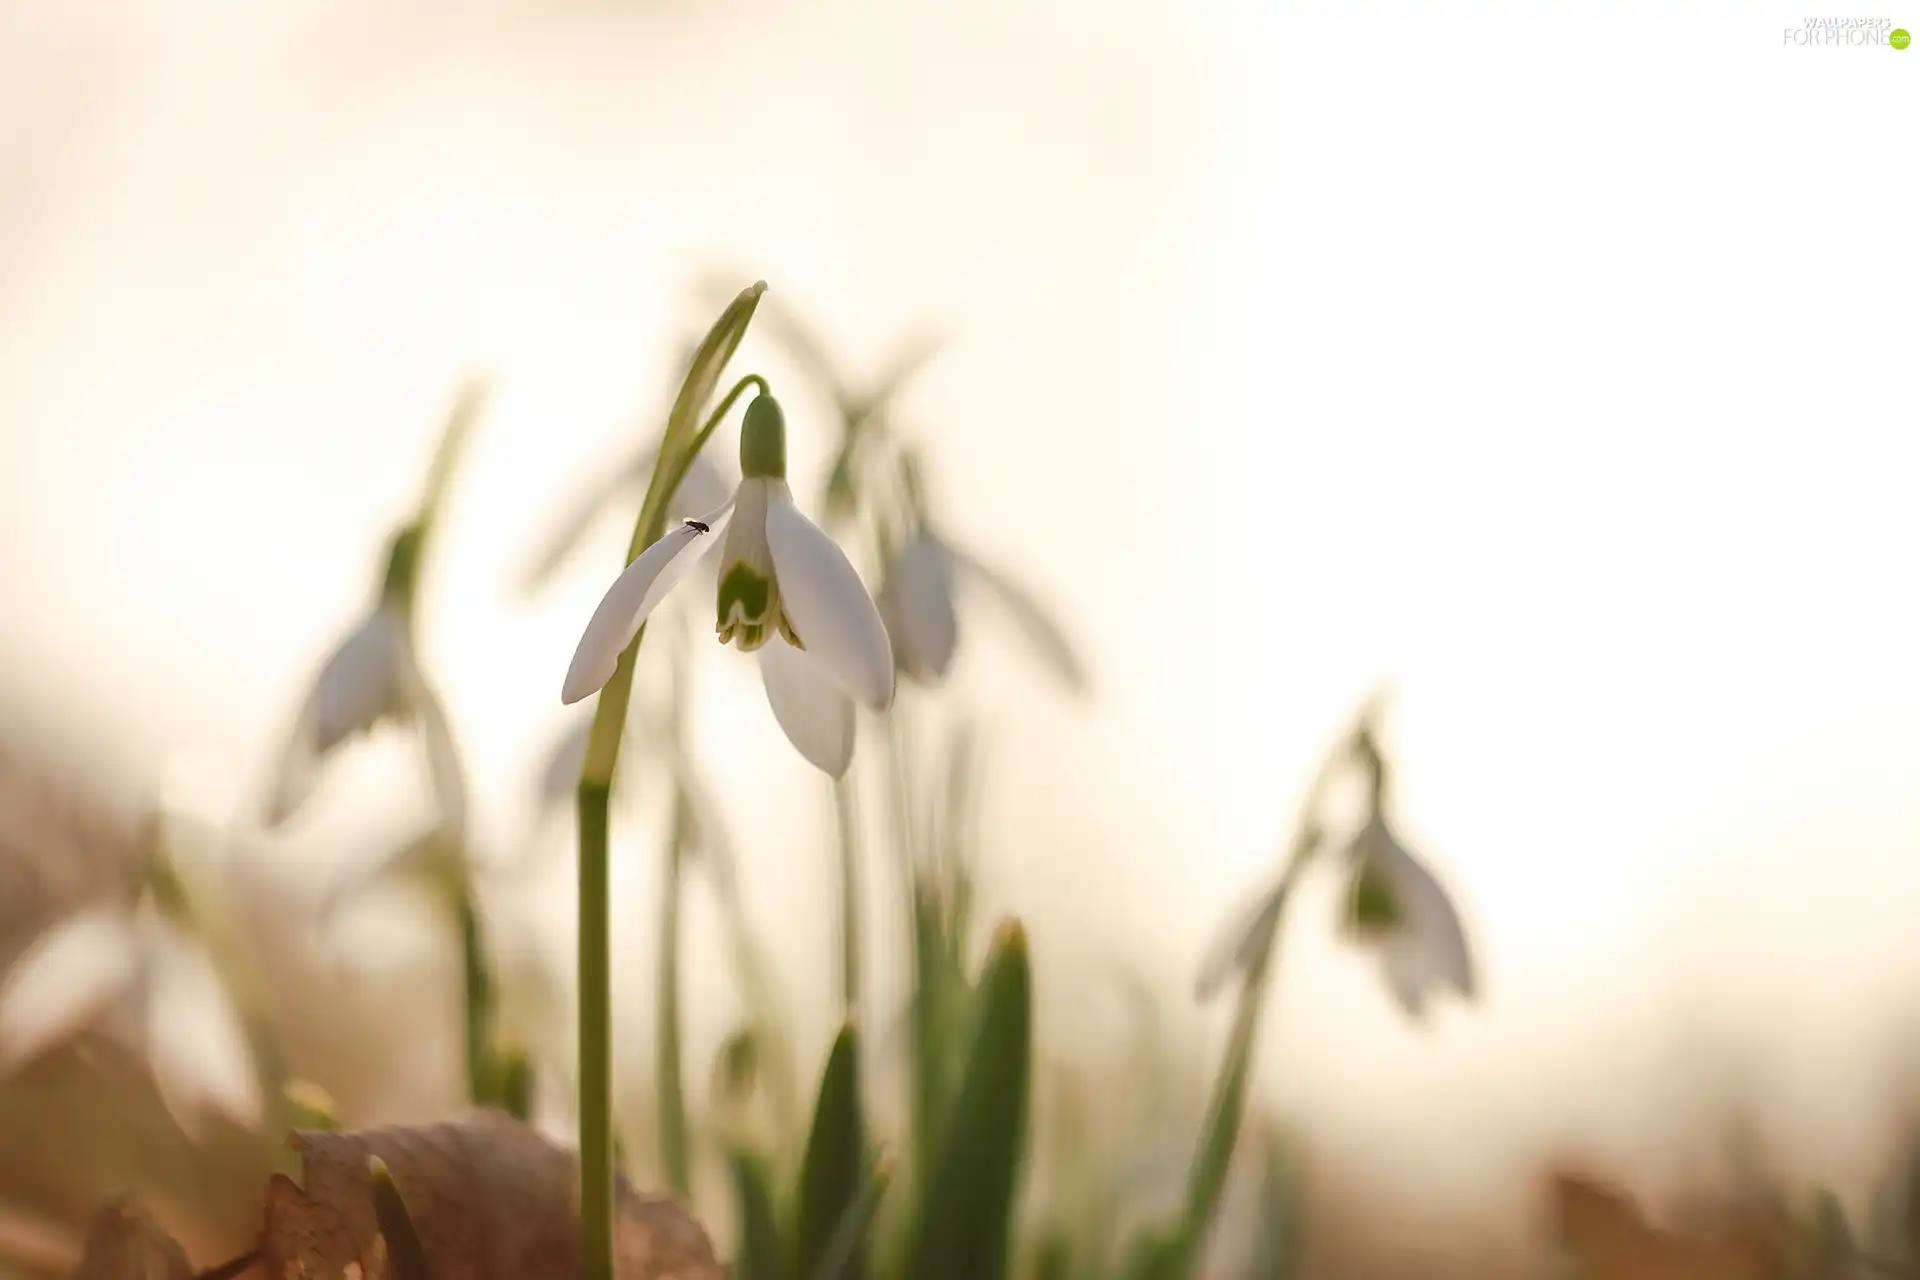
763, 441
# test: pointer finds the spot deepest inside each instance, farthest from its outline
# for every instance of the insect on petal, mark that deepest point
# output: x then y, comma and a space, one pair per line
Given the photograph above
633, 595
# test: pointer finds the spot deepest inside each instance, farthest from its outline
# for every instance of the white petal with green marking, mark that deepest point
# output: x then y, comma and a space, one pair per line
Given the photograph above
748, 606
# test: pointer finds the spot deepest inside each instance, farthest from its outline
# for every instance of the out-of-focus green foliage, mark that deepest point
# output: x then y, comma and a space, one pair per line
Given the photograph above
833, 1168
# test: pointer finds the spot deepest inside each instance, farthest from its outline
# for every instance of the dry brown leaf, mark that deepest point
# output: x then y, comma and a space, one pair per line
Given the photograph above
125, 1243
490, 1199
1604, 1229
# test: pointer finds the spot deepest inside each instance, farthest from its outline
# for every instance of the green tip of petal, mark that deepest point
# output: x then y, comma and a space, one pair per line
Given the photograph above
763, 440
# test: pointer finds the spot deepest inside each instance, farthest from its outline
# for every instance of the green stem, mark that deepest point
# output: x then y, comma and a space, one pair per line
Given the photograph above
479, 1002
847, 817
923, 1050
596, 787
684, 463
1226, 1106
672, 1094
596, 1026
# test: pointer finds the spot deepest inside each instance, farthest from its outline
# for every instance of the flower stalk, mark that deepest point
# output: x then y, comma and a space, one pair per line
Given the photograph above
679, 444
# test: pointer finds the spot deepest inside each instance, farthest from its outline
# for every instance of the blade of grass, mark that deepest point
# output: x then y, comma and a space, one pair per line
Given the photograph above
830, 1172
843, 1258
966, 1218
677, 446
757, 1254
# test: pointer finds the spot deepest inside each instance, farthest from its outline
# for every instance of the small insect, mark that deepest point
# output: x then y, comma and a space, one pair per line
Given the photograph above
700, 525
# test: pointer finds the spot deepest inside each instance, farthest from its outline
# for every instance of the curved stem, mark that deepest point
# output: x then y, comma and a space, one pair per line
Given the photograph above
847, 817
684, 463
479, 1001
596, 787
667, 1065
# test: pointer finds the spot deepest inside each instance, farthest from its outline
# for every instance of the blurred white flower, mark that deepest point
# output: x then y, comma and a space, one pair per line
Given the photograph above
918, 602
1394, 903
370, 677
66, 982
101, 958
786, 591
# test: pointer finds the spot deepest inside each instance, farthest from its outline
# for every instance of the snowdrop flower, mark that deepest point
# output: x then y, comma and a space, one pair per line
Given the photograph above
1396, 904
918, 602
372, 677
786, 592
114, 957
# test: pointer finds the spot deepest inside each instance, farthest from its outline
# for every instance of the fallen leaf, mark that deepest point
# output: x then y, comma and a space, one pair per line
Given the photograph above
125, 1243
1605, 1231
490, 1199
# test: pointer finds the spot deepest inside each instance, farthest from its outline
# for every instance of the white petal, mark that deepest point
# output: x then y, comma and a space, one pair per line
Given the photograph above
195, 1045
828, 604
917, 604
817, 717
633, 595
65, 981
1048, 639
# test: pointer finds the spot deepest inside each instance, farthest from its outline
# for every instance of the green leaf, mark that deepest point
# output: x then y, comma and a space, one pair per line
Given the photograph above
757, 1253
845, 1251
967, 1214
831, 1171
703, 375
1158, 1255
1053, 1257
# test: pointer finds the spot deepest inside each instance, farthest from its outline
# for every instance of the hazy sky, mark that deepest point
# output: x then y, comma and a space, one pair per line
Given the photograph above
1553, 367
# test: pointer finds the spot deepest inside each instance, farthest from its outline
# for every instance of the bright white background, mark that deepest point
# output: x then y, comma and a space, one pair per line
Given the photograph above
1554, 367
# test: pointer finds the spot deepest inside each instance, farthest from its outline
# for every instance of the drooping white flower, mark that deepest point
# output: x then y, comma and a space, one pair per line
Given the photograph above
1394, 902
786, 592
918, 600
373, 677
100, 958
370, 677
